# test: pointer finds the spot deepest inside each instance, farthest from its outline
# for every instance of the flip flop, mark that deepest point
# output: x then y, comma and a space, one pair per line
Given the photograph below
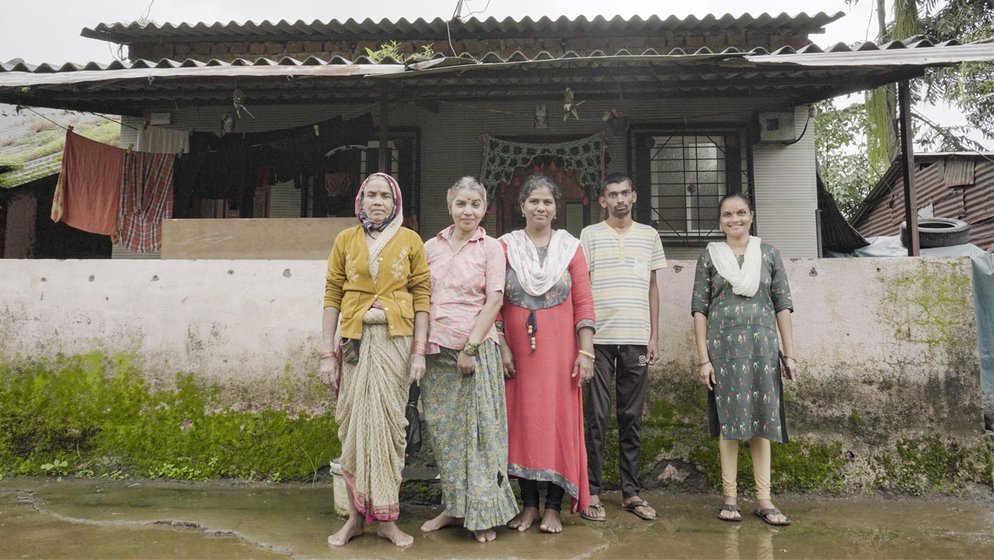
599, 515
633, 507
732, 508
765, 513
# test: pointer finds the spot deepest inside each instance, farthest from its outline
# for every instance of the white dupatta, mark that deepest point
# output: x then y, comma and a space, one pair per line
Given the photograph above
744, 279
534, 275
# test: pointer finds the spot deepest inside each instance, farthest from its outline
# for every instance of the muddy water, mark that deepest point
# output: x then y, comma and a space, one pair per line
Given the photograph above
43, 518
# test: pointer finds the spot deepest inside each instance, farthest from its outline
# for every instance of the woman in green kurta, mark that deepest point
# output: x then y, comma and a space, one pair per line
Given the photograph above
741, 299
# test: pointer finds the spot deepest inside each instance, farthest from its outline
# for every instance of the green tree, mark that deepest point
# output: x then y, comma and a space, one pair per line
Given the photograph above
968, 86
840, 143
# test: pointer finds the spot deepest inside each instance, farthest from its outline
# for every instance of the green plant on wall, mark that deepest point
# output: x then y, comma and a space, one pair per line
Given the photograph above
392, 49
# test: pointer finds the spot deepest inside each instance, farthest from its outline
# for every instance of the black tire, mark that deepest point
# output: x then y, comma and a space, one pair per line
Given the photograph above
938, 232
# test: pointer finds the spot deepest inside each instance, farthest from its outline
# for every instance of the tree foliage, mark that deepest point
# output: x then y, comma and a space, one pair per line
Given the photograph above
968, 86
847, 139
840, 142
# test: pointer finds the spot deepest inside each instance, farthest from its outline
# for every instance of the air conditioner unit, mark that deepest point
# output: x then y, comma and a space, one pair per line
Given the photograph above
777, 127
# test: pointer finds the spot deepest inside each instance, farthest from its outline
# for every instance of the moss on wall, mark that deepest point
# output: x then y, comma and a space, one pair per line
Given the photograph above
926, 464
95, 415
927, 306
675, 432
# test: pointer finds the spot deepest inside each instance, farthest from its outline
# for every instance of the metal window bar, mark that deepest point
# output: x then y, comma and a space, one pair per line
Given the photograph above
687, 181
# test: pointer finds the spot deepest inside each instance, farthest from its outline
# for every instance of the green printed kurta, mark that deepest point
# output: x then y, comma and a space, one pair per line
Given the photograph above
743, 347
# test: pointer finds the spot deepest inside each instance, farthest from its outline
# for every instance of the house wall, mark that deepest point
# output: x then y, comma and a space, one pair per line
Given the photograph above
874, 370
972, 203
19, 238
786, 197
451, 147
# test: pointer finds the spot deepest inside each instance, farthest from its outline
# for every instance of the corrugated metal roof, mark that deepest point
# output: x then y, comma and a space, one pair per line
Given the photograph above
786, 76
883, 210
31, 143
439, 28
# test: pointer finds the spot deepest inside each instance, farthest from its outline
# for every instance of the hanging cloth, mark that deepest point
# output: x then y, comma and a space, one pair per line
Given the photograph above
146, 199
88, 191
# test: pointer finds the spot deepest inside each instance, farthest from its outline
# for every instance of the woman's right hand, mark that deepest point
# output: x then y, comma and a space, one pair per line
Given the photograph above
508, 359
329, 372
705, 374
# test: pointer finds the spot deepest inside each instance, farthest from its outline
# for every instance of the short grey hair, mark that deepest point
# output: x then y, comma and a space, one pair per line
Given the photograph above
467, 183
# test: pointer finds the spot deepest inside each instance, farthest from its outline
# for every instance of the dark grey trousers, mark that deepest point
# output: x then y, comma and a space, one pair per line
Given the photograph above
627, 366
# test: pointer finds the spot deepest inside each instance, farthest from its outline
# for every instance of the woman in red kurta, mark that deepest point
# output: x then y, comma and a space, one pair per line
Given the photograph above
547, 348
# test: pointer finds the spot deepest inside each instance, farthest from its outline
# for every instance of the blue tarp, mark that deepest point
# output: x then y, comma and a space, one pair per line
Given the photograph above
983, 291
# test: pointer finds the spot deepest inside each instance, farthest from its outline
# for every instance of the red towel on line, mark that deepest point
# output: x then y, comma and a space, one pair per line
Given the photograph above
88, 193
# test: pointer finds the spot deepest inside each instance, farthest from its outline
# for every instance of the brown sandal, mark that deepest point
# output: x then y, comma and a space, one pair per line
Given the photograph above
732, 508
598, 513
765, 514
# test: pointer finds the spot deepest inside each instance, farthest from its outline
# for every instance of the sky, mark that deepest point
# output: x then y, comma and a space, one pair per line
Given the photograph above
48, 30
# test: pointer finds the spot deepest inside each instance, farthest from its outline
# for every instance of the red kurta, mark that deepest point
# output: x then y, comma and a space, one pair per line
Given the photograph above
544, 403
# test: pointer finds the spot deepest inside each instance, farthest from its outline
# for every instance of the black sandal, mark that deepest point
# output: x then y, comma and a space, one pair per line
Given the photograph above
765, 513
599, 513
732, 508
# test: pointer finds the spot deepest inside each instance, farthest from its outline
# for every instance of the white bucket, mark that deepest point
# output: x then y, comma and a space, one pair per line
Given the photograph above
338, 487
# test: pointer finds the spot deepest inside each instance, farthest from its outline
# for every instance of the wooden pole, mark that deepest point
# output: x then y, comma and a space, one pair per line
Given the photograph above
381, 164
908, 168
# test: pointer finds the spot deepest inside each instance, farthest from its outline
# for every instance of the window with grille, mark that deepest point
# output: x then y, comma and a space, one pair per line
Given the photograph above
684, 176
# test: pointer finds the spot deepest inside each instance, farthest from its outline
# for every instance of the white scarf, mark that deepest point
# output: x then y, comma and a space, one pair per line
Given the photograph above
535, 276
744, 279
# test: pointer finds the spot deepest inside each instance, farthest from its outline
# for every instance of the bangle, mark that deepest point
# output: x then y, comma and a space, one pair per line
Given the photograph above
418, 347
587, 354
704, 363
471, 349
789, 358
326, 355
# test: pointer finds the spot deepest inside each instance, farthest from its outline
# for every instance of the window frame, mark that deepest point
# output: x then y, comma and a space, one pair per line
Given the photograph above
738, 175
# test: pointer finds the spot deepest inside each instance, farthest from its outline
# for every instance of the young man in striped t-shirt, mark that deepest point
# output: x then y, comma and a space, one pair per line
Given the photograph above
622, 257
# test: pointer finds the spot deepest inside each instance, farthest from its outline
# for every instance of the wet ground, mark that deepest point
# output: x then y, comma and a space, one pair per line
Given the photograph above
45, 518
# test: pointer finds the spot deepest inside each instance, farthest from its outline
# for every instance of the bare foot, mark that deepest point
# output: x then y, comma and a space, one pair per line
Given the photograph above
524, 520
552, 522
391, 532
486, 536
353, 528
442, 520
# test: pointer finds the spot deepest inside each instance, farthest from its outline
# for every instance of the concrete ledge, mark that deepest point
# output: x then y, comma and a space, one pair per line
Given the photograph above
251, 238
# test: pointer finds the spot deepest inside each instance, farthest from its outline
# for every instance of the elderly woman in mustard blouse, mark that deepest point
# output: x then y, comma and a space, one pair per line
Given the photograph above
376, 304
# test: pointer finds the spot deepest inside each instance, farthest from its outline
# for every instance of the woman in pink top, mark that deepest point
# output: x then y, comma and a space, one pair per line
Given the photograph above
463, 387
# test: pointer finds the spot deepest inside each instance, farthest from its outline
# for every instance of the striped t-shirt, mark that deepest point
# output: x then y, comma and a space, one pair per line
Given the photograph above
620, 267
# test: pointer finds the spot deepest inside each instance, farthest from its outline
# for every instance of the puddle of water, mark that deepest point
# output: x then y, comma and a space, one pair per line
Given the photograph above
42, 518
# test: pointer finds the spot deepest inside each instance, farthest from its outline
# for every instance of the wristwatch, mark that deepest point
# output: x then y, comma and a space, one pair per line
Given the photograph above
470, 349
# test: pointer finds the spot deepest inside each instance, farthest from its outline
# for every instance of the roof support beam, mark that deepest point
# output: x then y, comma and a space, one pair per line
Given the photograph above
908, 167
381, 164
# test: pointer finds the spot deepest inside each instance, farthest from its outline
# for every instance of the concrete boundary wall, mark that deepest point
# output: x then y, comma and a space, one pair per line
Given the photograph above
885, 345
